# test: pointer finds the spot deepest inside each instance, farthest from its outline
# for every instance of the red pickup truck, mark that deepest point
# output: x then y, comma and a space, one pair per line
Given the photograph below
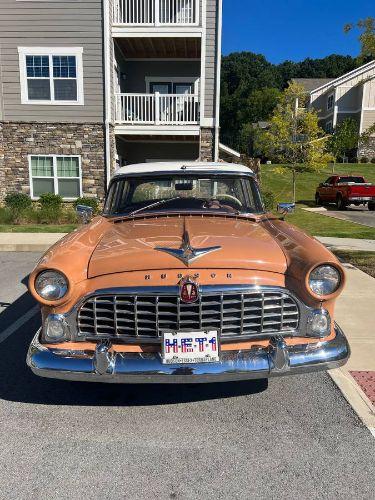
345, 190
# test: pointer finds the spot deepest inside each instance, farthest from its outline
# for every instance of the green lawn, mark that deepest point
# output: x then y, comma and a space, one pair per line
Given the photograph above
316, 224
37, 228
363, 260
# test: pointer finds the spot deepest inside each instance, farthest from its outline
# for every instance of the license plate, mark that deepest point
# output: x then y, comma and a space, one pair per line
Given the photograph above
361, 198
190, 347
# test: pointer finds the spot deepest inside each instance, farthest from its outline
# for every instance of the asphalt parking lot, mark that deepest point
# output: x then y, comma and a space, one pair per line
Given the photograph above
360, 215
298, 438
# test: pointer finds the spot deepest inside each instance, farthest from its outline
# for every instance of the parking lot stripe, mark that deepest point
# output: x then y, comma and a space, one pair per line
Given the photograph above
20, 322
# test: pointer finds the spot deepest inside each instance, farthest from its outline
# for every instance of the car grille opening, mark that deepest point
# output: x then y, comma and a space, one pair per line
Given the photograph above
145, 317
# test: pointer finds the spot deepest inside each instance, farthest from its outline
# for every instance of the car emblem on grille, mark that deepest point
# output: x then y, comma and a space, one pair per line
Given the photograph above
186, 253
189, 291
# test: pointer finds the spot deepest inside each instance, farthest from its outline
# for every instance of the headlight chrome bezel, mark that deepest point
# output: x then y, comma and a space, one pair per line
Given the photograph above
327, 291
55, 277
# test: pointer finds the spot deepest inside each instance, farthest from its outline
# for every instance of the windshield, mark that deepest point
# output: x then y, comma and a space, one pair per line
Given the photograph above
351, 179
183, 193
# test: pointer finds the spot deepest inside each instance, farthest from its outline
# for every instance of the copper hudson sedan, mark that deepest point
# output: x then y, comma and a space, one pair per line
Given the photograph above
185, 277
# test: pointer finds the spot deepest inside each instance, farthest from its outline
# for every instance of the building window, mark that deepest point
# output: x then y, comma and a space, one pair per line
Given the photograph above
55, 174
330, 102
51, 75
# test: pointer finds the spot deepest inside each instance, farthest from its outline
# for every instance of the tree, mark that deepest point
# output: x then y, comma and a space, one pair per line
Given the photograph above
294, 137
259, 105
366, 38
247, 76
345, 138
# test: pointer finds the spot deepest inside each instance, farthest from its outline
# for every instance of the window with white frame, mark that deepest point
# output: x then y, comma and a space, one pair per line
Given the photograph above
330, 102
55, 174
51, 75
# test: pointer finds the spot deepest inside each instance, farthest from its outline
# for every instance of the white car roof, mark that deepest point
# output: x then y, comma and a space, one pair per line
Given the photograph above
177, 166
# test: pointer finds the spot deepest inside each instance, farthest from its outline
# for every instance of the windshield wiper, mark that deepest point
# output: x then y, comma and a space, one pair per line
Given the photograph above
156, 204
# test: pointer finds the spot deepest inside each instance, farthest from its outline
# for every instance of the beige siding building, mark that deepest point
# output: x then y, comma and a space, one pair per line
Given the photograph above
351, 95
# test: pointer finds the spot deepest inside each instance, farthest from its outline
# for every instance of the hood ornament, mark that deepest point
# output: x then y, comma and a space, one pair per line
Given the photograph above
186, 253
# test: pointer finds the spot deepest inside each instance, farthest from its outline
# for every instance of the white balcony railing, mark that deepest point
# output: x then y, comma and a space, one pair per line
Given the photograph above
156, 12
157, 109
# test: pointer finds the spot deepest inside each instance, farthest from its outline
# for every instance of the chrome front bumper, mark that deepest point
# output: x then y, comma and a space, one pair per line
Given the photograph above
103, 366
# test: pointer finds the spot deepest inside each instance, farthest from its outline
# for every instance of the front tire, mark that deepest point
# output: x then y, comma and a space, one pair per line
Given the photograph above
340, 203
318, 200
371, 206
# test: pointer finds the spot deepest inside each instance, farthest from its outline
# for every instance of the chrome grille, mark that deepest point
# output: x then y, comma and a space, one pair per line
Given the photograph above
145, 317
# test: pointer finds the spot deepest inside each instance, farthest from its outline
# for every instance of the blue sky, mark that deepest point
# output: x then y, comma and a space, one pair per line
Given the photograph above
291, 29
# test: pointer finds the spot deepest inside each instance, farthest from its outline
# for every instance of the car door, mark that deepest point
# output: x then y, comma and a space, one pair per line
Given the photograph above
331, 189
325, 189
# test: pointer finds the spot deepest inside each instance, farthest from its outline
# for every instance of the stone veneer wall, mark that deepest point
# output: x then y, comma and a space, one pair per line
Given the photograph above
207, 144
365, 150
19, 139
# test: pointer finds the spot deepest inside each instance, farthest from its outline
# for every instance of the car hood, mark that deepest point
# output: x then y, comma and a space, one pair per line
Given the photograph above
132, 245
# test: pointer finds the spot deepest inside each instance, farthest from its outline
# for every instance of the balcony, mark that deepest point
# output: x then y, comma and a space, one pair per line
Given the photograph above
156, 12
157, 109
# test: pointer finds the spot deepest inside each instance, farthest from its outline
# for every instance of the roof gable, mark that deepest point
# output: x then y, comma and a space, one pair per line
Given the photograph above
355, 73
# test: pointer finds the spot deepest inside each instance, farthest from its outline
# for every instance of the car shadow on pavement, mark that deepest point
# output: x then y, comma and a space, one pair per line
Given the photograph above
18, 383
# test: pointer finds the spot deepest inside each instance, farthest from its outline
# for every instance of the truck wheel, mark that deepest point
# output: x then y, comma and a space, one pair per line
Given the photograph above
340, 203
318, 200
371, 206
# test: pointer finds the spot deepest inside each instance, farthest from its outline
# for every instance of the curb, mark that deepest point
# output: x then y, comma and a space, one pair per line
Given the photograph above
28, 242
19, 247
355, 397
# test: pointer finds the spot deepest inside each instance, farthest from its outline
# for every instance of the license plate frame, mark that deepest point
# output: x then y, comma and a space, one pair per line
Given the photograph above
191, 348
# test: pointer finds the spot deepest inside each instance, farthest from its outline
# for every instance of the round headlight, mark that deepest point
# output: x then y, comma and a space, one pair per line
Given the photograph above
324, 280
51, 285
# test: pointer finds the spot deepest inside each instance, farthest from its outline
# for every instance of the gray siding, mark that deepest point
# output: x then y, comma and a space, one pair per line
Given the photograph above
52, 24
136, 72
320, 105
211, 63
139, 152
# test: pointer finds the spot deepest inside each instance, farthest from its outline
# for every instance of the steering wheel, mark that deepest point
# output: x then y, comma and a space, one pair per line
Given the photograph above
229, 197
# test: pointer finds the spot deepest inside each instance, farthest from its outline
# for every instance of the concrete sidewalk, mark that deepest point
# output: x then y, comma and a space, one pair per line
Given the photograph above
354, 314
28, 242
354, 244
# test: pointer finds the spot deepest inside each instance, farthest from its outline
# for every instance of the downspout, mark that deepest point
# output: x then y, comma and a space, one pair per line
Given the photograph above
107, 88
218, 76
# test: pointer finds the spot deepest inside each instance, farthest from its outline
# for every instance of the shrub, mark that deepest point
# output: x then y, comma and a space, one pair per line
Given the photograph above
50, 201
372, 160
268, 200
6, 215
89, 202
353, 160
364, 159
18, 201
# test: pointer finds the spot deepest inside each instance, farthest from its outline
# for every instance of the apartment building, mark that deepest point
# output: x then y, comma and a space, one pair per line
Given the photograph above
352, 95
91, 85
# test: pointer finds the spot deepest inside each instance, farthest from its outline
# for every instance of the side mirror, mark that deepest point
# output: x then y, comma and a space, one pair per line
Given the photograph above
84, 213
286, 208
